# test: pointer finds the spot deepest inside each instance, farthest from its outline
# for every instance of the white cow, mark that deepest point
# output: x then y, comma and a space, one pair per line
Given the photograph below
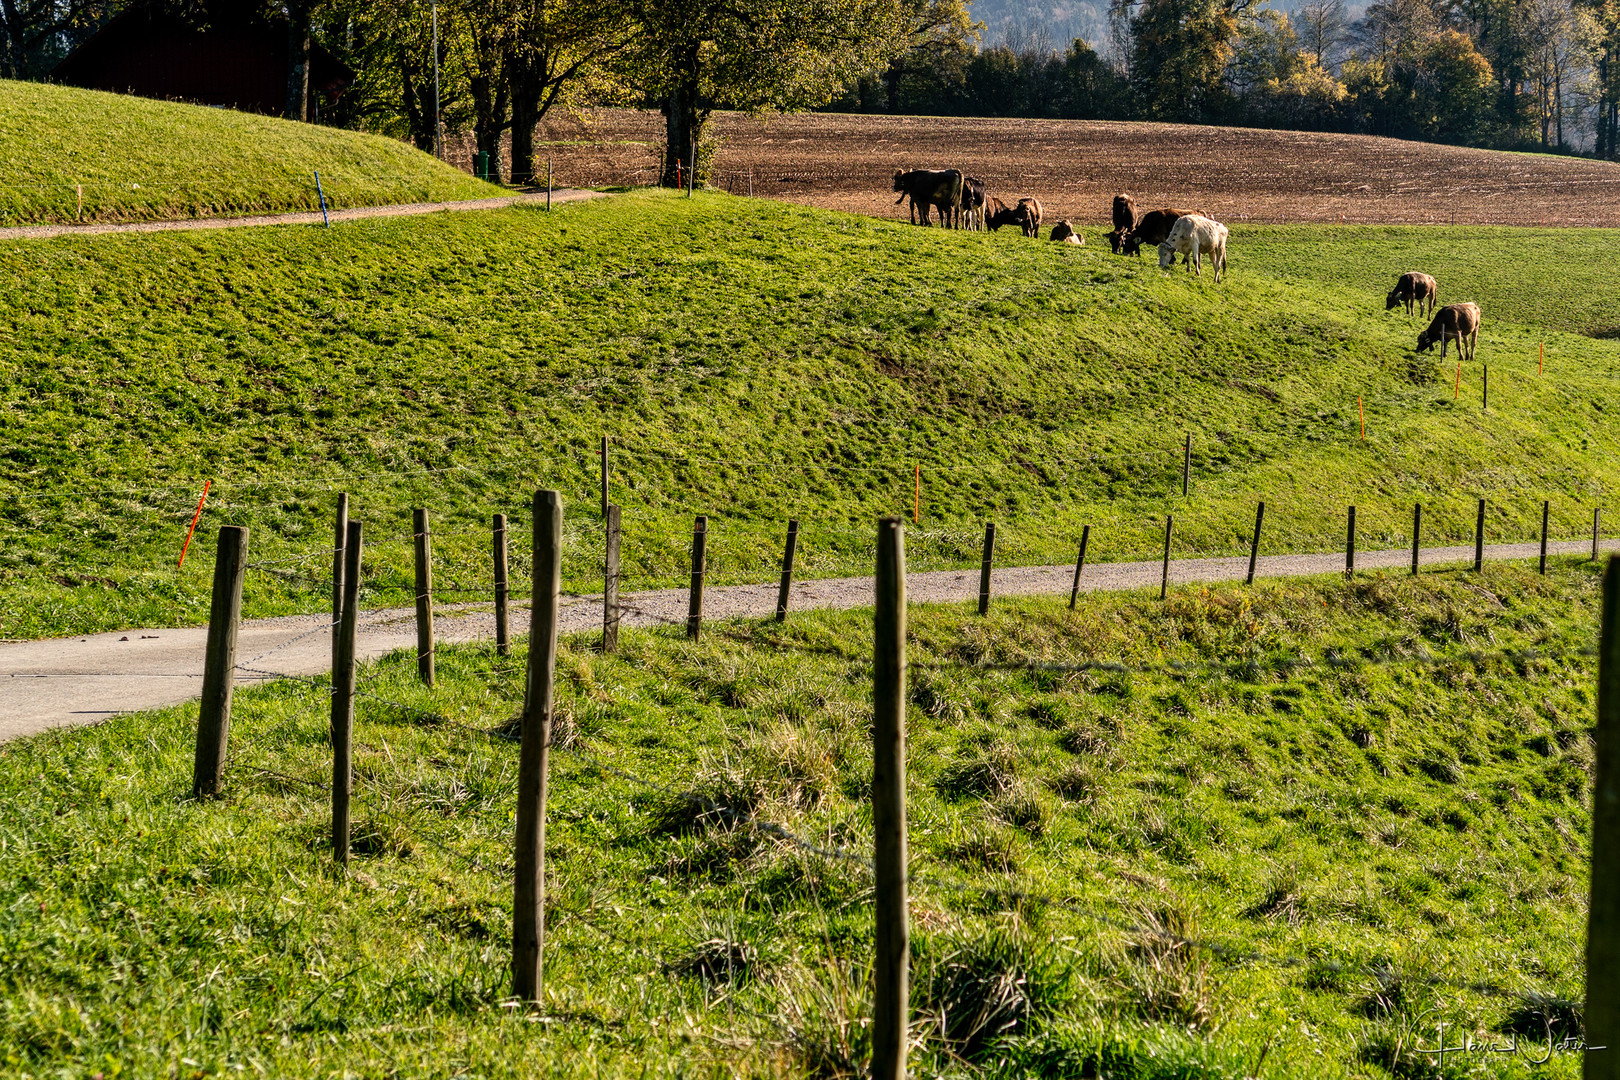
1195, 236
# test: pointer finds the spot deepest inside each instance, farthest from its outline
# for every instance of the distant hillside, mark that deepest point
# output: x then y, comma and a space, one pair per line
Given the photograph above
132, 158
1065, 20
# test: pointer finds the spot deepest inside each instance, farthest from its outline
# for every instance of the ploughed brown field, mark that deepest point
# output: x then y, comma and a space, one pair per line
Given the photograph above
1076, 166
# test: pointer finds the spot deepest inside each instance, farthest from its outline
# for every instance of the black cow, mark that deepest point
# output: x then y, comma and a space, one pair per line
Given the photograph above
927, 188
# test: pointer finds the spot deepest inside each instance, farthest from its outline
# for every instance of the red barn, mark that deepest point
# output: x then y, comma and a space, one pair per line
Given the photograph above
236, 62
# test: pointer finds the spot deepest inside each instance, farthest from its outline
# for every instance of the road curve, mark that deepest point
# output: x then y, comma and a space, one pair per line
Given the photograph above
61, 682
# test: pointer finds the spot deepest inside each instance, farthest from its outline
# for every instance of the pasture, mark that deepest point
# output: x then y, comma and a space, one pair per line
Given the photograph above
86, 156
1237, 175
757, 361
1293, 831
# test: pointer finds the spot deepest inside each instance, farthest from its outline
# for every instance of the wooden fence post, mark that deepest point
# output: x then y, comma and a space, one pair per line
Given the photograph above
1417, 534
604, 452
424, 595
1186, 463
1350, 545
1254, 545
1164, 582
1602, 1013
1484, 387
1595, 512
985, 562
1546, 507
342, 723
892, 939
534, 755
1079, 566
340, 533
787, 570
694, 607
219, 662
610, 583
1479, 538
503, 634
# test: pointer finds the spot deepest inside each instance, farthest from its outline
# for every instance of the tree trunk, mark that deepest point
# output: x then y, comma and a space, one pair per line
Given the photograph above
525, 114
489, 118
16, 59
683, 131
297, 103
891, 84
418, 119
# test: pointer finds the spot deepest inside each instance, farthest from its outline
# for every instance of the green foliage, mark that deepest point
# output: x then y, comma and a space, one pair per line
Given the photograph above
755, 362
138, 159
1268, 875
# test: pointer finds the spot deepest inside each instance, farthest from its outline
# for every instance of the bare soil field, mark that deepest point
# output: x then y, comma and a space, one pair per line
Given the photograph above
1075, 167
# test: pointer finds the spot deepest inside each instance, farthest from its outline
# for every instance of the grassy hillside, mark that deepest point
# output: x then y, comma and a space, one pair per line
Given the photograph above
755, 362
139, 159
1356, 805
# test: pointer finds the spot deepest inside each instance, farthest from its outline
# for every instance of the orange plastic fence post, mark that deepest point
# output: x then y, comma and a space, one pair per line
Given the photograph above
1363, 413
916, 494
194, 519
1541, 358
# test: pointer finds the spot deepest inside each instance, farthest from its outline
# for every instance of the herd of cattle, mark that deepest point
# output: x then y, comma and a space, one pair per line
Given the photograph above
962, 202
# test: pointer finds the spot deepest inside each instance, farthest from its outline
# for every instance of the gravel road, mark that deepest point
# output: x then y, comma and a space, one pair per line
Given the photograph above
46, 232
66, 681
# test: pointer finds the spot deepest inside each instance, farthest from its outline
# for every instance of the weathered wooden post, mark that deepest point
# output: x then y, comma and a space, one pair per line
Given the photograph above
534, 754
1350, 545
219, 662
1079, 566
786, 586
503, 636
1254, 545
342, 722
1186, 463
604, 452
1595, 513
984, 567
1602, 1014
1546, 508
1479, 538
1417, 534
610, 583
424, 595
694, 607
1164, 582
892, 938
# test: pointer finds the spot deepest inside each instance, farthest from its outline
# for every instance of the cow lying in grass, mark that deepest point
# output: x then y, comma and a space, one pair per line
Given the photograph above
1063, 233
1455, 322
1195, 236
1413, 288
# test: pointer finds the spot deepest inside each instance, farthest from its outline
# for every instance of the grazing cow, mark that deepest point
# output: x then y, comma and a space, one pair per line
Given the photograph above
1026, 215
1063, 232
1154, 228
973, 202
927, 188
1116, 239
1195, 236
1454, 322
1124, 213
1413, 288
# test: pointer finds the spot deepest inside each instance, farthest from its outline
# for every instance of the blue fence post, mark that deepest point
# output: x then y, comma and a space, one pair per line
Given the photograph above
319, 194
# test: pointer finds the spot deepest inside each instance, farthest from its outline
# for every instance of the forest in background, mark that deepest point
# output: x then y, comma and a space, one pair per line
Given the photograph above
1514, 74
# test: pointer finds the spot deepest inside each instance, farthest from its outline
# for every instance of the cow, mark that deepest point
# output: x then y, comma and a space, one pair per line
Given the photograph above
1063, 232
1413, 288
1195, 236
1124, 213
1454, 322
973, 202
926, 188
1153, 228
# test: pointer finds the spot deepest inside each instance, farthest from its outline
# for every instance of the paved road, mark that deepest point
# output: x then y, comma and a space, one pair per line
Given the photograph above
65, 681
45, 232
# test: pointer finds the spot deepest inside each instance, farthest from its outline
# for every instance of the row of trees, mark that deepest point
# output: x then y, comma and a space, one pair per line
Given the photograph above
1509, 73
1485, 72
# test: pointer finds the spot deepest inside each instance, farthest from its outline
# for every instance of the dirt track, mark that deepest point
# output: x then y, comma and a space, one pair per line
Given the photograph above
1076, 166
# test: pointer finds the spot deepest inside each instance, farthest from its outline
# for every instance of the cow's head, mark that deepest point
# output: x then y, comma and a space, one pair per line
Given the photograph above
1116, 240
1426, 342
1167, 256
899, 180
1392, 299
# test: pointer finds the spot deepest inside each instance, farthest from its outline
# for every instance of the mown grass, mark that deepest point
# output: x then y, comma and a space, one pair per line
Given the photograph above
1291, 856
138, 160
755, 362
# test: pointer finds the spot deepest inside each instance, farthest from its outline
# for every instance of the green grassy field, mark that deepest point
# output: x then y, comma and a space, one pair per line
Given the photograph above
755, 362
1294, 856
138, 160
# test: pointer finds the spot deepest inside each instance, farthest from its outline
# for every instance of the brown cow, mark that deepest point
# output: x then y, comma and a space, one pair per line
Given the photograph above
1063, 232
1124, 213
1413, 288
1154, 229
1455, 322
